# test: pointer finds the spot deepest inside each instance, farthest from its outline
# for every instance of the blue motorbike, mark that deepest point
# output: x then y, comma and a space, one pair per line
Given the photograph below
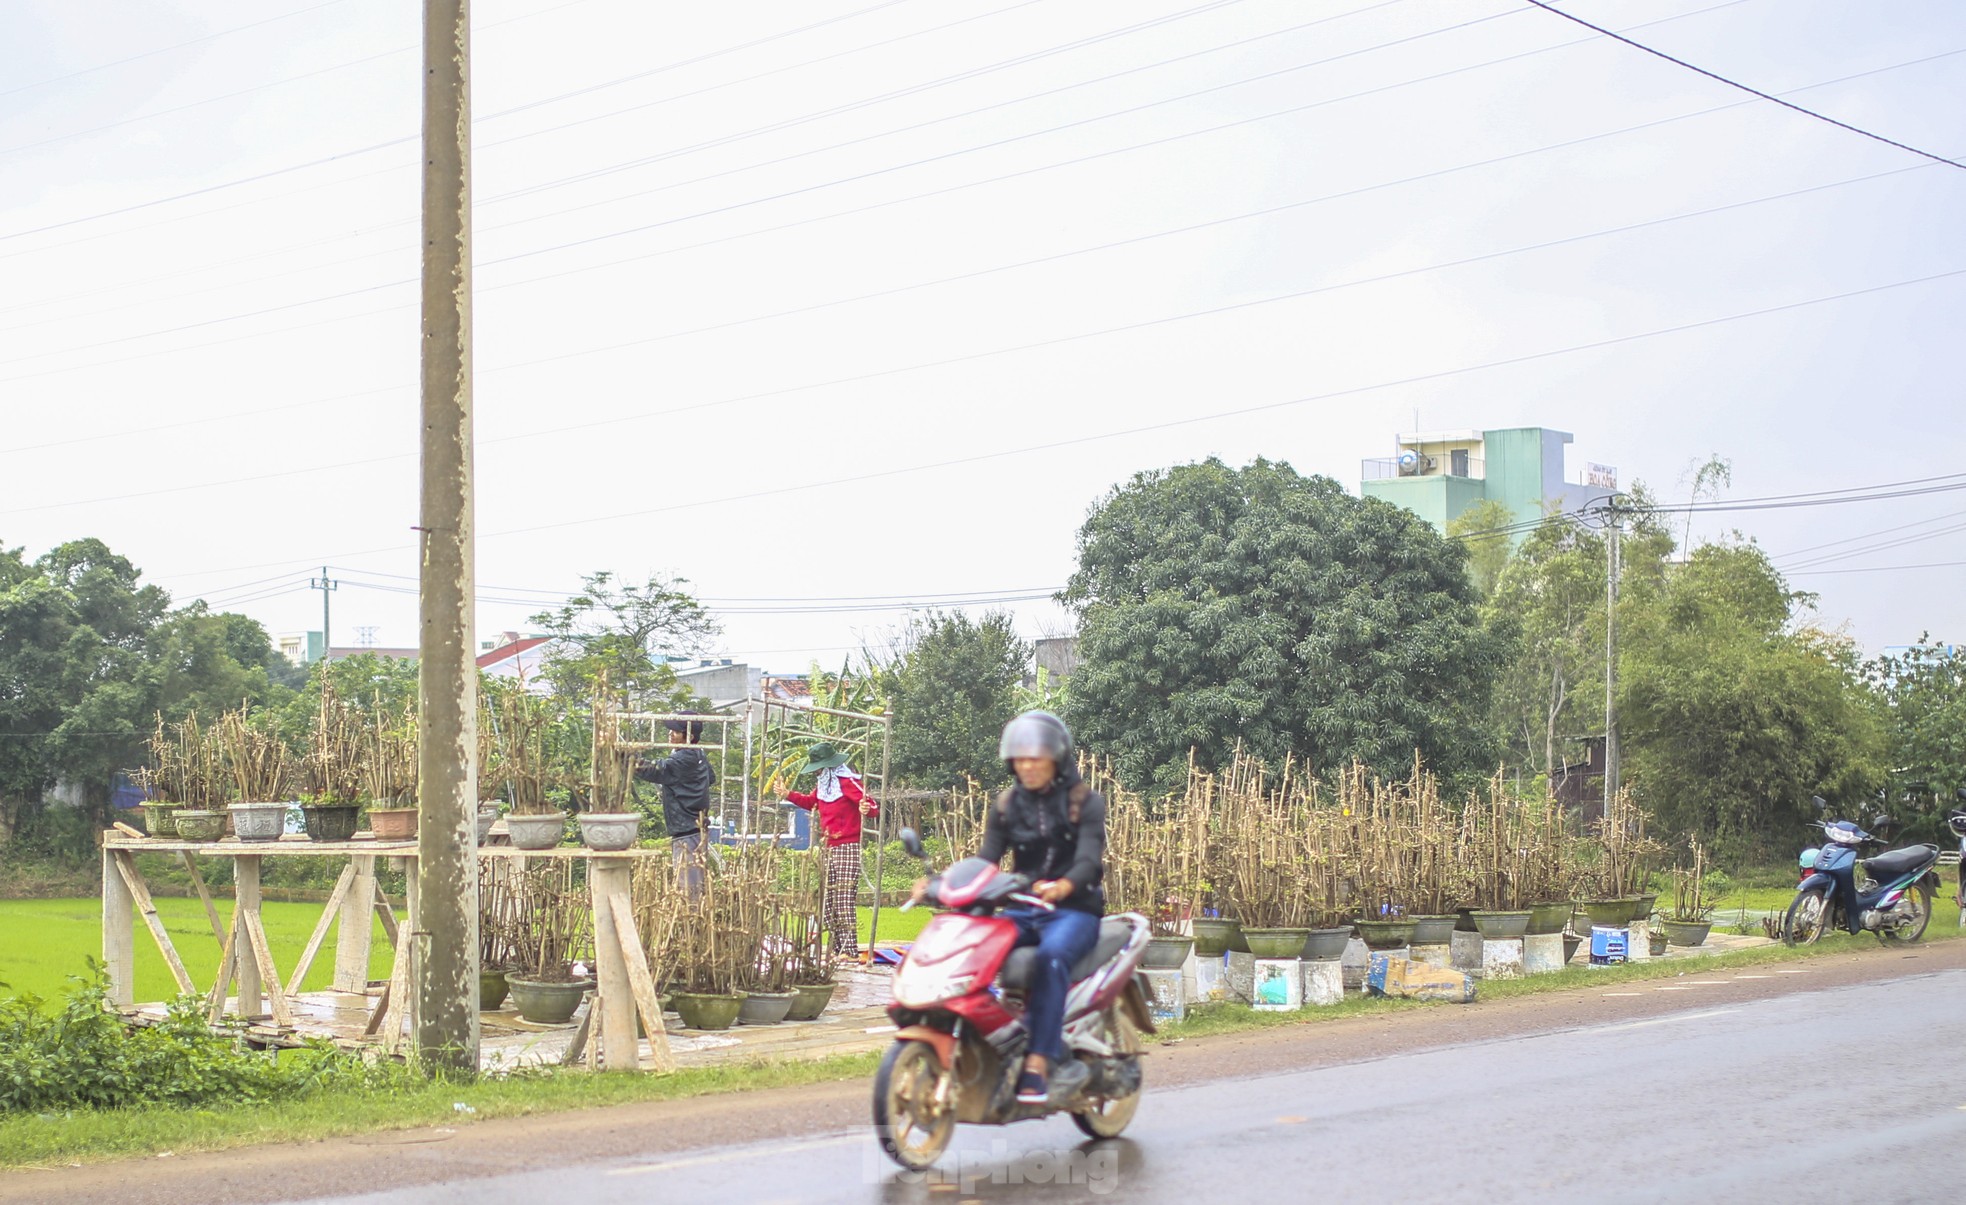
1892, 899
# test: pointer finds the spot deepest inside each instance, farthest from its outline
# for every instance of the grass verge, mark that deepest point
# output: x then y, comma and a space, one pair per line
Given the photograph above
54, 1140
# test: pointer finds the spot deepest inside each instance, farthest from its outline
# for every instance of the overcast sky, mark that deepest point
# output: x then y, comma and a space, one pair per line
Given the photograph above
734, 258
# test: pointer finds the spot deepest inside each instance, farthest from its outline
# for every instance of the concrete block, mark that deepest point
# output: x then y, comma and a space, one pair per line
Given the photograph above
1357, 959
1502, 959
1166, 1001
1441, 955
1324, 983
1542, 953
1279, 984
1406, 979
1639, 947
1242, 977
1212, 983
1466, 950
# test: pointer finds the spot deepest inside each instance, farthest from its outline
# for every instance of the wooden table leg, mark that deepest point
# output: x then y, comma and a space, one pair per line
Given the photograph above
355, 927
245, 879
613, 997
119, 951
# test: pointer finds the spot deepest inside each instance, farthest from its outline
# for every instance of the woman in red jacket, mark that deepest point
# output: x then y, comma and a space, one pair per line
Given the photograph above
840, 802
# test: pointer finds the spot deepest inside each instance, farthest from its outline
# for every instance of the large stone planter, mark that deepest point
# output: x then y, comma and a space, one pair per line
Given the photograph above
1166, 953
810, 999
1688, 933
1434, 930
1326, 945
1385, 934
393, 824
330, 821
487, 816
1496, 926
491, 990
1217, 935
1548, 918
258, 821
536, 832
609, 832
700, 1010
1276, 943
160, 820
1615, 914
196, 824
765, 1008
545, 1003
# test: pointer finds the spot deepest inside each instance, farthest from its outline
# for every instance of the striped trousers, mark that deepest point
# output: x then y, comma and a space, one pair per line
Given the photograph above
842, 885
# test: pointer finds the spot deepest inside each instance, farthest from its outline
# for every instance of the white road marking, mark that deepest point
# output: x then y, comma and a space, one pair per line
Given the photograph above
1712, 1012
732, 1154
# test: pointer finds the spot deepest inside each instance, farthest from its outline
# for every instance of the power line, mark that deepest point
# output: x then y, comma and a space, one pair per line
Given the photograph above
214, 35
1878, 568
1844, 125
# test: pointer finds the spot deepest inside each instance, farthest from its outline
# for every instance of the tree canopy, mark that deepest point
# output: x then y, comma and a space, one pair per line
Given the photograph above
952, 689
1256, 607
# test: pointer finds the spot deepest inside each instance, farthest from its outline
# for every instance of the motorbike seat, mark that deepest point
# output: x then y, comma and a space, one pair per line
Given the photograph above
1114, 933
1897, 862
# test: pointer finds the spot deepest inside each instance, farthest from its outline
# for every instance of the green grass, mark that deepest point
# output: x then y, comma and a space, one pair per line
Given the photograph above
896, 925
44, 942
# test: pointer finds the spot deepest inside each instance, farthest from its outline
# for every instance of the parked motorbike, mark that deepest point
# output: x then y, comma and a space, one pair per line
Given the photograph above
959, 1008
1892, 900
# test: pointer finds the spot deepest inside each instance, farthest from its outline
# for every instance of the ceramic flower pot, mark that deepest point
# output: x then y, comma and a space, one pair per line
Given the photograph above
1643, 908
196, 824
160, 820
330, 821
1613, 913
536, 832
487, 816
393, 824
765, 1008
1276, 943
609, 832
1549, 918
1434, 930
258, 821
810, 999
1326, 945
1166, 953
701, 1010
1385, 934
1215, 935
545, 1003
491, 990
1688, 933
1495, 926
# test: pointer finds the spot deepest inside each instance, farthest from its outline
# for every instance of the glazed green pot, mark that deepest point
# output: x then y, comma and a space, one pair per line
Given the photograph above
765, 1008
812, 999
330, 821
1327, 945
1549, 918
1276, 943
547, 1003
700, 1010
1385, 934
1613, 913
1496, 926
491, 990
1688, 933
1166, 953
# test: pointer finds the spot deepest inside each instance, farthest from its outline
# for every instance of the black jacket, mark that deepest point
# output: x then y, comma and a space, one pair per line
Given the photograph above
1044, 842
686, 779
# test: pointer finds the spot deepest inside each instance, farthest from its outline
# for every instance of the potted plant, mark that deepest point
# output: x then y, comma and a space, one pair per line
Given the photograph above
547, 926
1691, 918
522, 723
1266, 859
331, 771
390, 762
610, 823
809, 972
496, 950
1624, 855
257, 760
1150, 870
185, 783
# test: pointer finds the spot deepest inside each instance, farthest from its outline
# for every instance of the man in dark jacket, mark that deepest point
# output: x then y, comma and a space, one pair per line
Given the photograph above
686, 777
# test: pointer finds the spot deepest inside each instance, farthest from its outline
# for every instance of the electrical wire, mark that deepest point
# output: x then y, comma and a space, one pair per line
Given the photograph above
1879, 568
214, 35
1843, 125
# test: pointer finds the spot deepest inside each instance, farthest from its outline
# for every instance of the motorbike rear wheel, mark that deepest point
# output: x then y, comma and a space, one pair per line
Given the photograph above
914, 1113
1918, 902
1112, 1117
1808, 918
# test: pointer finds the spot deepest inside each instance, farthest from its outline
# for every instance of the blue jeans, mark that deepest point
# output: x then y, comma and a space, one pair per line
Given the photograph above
1062, 938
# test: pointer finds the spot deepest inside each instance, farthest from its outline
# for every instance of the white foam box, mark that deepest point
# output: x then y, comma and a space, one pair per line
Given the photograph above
1324, 983
1441, 955
1279, 984
1542, 953
1167, 997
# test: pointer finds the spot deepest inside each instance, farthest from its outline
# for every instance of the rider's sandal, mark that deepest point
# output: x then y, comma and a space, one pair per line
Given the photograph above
1032, 1088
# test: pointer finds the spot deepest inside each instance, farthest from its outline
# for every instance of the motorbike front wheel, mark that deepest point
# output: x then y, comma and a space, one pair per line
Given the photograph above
1112, 1116
1918, 904
914, 1112
1808, 918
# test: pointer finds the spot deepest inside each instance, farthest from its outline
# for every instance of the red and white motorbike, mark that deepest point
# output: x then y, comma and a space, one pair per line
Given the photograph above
959, 1008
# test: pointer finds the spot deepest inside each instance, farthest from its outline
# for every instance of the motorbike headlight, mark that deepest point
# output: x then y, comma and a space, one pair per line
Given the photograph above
926, 988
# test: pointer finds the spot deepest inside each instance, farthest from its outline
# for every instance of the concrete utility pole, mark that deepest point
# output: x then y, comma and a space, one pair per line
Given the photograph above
445, 954
1615, 515
326, 585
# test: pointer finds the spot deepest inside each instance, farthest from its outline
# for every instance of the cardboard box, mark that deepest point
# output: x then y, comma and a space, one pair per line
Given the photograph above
1405, 979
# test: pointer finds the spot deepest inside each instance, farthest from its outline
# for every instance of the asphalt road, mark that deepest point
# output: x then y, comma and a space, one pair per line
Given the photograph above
1851, 1089
1830, 1078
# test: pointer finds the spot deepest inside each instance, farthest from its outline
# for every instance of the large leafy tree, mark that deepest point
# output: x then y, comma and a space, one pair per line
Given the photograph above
1221, 607
1924, 689
952, 689
624, 631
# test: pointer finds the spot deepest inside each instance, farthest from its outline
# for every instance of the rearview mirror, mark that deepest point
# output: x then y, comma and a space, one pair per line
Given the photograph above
1822, 805
912, 842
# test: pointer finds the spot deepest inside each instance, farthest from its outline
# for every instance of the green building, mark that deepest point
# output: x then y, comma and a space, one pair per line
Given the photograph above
1439, 474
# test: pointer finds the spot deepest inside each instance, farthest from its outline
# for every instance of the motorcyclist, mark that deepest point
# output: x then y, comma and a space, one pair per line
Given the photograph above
1053, 824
